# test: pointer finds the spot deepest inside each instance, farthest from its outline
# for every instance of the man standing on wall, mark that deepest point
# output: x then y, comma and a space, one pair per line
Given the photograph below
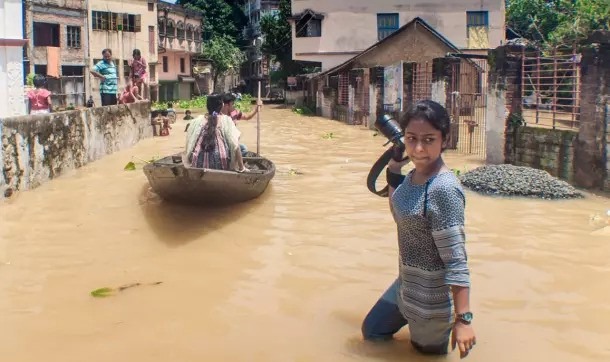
105, 70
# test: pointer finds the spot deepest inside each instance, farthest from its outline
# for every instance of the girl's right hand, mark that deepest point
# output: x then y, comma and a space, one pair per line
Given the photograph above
395, 166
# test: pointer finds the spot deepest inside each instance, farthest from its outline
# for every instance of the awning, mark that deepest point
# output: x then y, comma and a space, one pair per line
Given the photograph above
185, 79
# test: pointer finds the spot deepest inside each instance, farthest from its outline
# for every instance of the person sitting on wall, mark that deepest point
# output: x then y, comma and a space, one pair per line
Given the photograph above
130, 94
40, 97
138, 71
213, 141
105, 70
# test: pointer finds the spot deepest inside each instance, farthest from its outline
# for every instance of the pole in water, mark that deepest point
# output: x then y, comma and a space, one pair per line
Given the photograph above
258, 122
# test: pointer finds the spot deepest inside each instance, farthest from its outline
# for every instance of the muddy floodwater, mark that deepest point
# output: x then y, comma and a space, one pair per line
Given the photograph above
286, 277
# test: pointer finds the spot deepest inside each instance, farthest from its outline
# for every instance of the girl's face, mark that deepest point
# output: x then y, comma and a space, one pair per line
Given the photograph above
423, 142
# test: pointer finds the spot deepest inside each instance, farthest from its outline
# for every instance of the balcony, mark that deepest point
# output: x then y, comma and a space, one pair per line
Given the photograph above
179, 45
67, 4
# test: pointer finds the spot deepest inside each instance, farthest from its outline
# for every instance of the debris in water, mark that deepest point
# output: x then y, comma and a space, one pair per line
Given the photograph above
509, 180
328, 136
130, 166
107, 292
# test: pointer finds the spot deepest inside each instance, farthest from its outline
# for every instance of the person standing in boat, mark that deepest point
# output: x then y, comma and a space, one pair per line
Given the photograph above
213, 141
431, 294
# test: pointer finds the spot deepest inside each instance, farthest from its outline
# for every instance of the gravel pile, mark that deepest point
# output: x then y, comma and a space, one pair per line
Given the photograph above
509, 180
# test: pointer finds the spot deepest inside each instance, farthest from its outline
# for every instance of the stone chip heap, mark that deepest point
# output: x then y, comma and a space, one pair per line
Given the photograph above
509, 180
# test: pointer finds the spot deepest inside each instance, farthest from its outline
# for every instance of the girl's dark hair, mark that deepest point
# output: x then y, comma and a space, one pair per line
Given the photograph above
107, 50
40, 80
136, 52
214, 104
228, 98
431, 112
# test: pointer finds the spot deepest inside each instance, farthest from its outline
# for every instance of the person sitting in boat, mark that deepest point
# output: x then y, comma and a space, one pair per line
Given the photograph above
213, 141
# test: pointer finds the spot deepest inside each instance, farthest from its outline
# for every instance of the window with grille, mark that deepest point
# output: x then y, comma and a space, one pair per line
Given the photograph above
309, 27
182, 65
386, 25
73, 36
165, 64
477, 29
180, 30
100, 20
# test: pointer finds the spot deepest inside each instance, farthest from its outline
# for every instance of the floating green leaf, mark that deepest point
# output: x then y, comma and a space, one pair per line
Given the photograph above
293, 172
103, 292
130, 166
328, 136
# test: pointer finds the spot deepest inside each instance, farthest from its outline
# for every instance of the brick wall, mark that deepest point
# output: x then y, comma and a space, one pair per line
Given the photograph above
542, 148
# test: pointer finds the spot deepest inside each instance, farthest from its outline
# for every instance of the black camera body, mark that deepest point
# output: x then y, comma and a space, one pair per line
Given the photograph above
388, 127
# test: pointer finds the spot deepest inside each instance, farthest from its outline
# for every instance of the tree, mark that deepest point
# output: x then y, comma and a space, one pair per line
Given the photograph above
557, 22
277, 34
221, 18
223, 54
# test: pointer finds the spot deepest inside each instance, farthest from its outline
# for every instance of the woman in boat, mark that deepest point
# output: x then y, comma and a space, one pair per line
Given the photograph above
213, 141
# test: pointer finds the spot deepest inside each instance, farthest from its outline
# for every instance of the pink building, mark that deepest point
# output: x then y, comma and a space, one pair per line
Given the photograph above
180, 38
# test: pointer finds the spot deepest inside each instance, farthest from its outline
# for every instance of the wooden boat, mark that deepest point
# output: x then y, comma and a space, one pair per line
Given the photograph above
175, 183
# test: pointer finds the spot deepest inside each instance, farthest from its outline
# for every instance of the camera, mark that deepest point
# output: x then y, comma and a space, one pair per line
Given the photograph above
388, 127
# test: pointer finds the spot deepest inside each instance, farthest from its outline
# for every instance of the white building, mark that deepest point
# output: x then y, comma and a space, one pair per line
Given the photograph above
12, 97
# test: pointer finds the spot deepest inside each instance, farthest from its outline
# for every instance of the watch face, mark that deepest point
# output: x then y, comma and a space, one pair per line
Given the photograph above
467, 316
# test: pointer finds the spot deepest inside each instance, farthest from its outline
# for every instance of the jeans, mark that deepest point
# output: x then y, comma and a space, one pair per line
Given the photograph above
243, 149
429, 336
108, 99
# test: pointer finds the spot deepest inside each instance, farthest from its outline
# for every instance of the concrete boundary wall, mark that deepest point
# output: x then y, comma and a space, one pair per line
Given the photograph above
38, 148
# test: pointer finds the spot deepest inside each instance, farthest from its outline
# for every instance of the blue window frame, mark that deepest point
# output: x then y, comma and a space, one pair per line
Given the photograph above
386, 25
476, 19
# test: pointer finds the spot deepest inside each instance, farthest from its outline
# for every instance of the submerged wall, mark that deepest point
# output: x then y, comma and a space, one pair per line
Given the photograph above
37, 148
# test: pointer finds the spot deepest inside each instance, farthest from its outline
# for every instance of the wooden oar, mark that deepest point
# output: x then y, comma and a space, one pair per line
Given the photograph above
258, 122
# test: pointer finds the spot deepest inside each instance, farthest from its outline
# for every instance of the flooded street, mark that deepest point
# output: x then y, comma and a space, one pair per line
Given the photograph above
288, 276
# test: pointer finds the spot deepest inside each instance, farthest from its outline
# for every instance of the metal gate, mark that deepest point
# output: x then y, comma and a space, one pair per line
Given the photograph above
467, 106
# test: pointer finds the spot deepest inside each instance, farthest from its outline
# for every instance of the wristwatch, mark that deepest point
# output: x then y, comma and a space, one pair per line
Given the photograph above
465, 318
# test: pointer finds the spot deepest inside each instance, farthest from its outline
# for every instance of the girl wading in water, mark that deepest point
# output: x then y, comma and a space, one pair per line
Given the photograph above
431, 293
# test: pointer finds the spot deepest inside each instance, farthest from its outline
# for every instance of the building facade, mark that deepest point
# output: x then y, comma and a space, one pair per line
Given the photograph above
332, 32
180, 42
123, 26
58, 47
12, 100
257, 66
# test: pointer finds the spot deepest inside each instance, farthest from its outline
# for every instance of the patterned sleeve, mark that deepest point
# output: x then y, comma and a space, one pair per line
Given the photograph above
447, 204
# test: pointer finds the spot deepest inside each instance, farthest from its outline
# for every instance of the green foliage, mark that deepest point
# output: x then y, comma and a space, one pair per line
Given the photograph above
29, 80
277, 33
553, 23
103, 292
304, 111
221, 18
224, 55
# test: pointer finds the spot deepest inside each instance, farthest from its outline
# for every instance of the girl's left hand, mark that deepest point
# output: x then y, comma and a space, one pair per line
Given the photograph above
463, 336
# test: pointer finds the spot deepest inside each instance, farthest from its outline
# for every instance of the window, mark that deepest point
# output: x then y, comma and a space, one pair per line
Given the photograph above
477, 29
189, 32
180, 27
170, 29
152, 72
151, 6
100, 20
46, 35
165, 65
126, 68
131, 23
72, 70
182, 65
151, 39
73, 39
386, 25
309, 27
